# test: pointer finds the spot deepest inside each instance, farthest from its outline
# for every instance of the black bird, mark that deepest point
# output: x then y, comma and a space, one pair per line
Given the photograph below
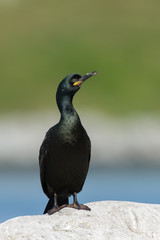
65, 152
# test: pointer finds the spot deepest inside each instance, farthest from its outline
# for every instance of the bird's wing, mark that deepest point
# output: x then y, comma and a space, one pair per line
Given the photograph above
43, 156
89, 151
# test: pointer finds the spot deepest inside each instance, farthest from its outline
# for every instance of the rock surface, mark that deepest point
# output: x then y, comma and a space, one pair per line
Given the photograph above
107, 220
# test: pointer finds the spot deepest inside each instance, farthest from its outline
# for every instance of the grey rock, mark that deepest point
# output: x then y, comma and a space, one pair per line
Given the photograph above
106, 220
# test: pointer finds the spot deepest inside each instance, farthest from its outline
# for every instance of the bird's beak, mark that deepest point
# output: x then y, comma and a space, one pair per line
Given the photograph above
84, 78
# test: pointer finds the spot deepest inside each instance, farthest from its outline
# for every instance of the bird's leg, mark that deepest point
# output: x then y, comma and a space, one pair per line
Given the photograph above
55, 208
76, 204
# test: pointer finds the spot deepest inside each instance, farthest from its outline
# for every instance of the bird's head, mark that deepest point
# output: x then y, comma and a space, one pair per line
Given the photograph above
72, 83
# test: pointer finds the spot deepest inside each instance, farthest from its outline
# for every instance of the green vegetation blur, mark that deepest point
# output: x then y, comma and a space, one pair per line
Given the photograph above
43, 41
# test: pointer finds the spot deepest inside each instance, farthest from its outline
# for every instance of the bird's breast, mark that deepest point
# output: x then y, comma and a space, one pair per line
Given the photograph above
71, 132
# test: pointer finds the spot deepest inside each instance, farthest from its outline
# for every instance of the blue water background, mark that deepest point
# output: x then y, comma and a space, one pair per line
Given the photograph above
21, 193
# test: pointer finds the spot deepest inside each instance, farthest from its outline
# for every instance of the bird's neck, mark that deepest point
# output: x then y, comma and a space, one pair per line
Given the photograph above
68, 113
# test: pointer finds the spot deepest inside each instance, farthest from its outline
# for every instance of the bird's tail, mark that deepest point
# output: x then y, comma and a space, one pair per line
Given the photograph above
61, 200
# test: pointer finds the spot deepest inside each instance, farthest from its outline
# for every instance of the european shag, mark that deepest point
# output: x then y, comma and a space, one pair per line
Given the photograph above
65, 152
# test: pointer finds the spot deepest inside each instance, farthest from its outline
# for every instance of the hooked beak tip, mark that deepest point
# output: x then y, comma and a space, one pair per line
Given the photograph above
88, 75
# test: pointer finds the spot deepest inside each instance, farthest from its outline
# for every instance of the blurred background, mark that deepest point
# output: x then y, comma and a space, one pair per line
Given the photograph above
43, 41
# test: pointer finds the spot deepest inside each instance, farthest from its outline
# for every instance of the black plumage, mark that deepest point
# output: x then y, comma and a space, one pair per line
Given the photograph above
65, 152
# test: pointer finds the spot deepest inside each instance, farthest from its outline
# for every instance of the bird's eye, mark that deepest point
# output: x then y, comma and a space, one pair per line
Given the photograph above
74, 80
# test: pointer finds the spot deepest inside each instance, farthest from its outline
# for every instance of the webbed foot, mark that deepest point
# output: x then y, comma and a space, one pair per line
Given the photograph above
56, 209
78, 206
